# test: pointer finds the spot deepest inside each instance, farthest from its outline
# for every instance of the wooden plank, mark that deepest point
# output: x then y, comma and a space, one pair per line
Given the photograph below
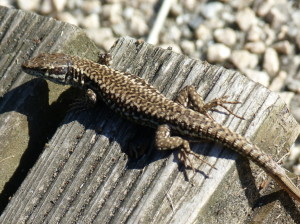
85, 173
27, 119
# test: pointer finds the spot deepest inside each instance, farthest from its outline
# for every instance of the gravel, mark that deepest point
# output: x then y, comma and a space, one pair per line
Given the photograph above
259, 38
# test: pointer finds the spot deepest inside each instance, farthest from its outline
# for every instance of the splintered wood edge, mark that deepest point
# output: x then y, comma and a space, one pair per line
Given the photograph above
79, 162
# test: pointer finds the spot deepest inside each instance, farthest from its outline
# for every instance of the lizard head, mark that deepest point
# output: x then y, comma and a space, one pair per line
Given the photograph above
55, 67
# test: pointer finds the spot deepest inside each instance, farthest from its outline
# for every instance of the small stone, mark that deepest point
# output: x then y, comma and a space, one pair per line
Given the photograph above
128, 13
256, 47
67, 17
215, 23
286, 96
100, 35
112, 13
264, 7
246, 18
255, 33
271, 62
176, 10
211, 9
203, 33
283, 47
226, 36
32, 5
270, 35
278, 82
276, 17
258, 76
189, 4
218, 53
108, 43
91, 21
92, 6
284, 33
59, 5
46, 7
175, 34
238, 4
228, 17
295, 106
188, 47
6, 3
138, 26
243, 59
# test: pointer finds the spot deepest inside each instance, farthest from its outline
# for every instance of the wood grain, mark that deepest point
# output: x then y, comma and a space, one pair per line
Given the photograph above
86, 174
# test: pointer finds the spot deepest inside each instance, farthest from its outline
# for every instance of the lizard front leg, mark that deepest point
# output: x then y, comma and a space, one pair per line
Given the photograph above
87, 101
164, 141
189, 97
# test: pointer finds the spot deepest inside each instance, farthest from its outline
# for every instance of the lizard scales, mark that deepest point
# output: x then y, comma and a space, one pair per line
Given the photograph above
138, 101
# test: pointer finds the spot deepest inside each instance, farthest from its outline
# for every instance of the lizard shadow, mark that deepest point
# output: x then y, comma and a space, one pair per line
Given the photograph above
254, 197
136, 141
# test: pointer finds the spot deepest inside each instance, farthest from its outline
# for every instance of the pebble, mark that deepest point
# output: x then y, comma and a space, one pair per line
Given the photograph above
226, 36
295, 107
59, 5
211, 9
287, 97
246, 18
187, 46
218, 53
176, 10
92, 6
264, 7
298, 40
5, 3
91, 21
255, 33
270, 35
276, 17
293, 84
283, 47
203, 33
258, 76
256, 47
112, 13
279, 81
28, 5
68, 18
46, 7
243, 59
189, 4
271, 62
138, 26
101, 36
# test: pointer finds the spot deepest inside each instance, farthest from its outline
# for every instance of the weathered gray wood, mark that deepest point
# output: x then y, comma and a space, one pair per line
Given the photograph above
26, 118
85, 175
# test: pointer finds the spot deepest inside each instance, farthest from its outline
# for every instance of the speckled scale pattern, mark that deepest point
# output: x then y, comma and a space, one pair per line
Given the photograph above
138, 101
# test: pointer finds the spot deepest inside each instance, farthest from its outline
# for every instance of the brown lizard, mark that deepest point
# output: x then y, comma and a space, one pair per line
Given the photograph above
135, 99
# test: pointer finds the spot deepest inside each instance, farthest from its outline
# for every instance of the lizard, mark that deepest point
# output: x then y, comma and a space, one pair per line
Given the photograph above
136, 100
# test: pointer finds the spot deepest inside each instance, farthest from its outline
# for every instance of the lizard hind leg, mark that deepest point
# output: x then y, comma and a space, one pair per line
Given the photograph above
164, 141
189, 97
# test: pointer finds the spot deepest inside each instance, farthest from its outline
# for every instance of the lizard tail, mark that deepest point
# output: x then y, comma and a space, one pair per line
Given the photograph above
252, 152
